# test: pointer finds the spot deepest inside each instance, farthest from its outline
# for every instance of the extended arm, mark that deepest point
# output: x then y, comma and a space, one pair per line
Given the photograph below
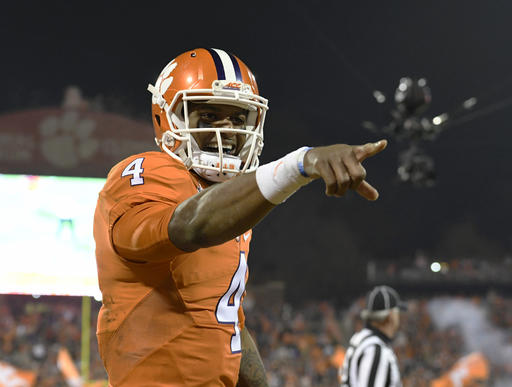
252, 371
226, 210
218, 213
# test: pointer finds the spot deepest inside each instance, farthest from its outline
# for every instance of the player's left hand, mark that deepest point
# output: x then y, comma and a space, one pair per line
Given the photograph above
341, 169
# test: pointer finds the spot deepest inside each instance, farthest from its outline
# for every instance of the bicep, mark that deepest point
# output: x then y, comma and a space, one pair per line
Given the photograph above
141, 233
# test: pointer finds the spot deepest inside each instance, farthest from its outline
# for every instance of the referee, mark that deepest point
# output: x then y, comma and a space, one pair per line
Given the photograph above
369, 359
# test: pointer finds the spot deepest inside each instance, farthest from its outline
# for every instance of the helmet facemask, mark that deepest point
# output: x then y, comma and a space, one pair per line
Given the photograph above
217, 165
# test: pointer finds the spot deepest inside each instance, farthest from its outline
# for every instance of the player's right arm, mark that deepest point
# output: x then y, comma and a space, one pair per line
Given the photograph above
226, 210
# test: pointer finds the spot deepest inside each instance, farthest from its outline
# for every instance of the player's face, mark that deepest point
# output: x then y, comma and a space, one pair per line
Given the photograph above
203, 115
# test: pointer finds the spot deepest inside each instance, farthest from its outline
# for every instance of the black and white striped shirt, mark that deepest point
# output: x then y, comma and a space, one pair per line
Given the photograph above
370, 361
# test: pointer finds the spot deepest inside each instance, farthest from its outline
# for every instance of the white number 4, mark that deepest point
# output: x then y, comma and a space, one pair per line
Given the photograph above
135, 169
229, 303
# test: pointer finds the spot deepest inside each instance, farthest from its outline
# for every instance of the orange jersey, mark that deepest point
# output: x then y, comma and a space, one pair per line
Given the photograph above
169, 318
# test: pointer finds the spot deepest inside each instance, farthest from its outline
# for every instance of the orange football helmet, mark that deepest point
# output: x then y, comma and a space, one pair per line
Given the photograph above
207, 76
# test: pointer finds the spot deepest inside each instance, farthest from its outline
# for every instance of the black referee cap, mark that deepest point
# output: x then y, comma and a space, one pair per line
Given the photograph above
379, 302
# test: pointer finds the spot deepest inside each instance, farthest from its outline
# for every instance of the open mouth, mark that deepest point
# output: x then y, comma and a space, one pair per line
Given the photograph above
228, 149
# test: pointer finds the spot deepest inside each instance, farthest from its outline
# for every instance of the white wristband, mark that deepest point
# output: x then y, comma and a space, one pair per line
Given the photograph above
280, 179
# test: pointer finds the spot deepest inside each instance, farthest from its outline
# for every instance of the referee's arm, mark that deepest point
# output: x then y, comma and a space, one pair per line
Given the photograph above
374, 368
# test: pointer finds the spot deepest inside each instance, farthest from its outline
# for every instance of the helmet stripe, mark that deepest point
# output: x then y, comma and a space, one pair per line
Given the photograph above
229, 68
218, 64
236, 66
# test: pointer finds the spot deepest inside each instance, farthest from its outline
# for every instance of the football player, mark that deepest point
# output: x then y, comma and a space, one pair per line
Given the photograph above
172, 228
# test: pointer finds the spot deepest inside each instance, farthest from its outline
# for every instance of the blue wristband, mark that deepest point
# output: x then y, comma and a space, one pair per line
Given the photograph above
300, 162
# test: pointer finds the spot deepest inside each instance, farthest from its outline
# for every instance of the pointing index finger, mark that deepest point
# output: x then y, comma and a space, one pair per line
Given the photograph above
362, 152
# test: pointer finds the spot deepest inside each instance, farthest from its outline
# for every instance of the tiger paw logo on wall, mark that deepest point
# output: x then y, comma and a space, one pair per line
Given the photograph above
66, 140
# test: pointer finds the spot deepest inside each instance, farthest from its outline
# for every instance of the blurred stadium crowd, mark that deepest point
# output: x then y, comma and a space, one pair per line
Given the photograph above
457, 271
301, 345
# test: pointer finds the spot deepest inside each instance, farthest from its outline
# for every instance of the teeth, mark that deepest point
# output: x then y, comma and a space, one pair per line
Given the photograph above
224, 147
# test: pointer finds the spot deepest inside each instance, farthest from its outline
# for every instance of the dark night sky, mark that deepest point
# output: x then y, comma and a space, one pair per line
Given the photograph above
317, 63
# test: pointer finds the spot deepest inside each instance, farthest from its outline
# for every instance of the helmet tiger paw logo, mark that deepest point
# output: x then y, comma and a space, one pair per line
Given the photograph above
165, 79
66, 139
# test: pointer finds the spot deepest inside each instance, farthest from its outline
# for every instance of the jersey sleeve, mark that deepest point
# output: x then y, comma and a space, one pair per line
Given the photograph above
140, 234
143, 191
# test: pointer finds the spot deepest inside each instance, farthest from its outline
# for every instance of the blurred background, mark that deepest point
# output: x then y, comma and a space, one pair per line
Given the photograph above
433, 78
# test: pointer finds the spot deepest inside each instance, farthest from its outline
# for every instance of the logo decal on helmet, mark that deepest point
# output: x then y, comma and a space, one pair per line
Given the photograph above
233, 86
164, 80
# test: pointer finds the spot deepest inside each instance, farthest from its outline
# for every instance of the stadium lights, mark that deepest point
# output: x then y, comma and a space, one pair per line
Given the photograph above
435, 267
